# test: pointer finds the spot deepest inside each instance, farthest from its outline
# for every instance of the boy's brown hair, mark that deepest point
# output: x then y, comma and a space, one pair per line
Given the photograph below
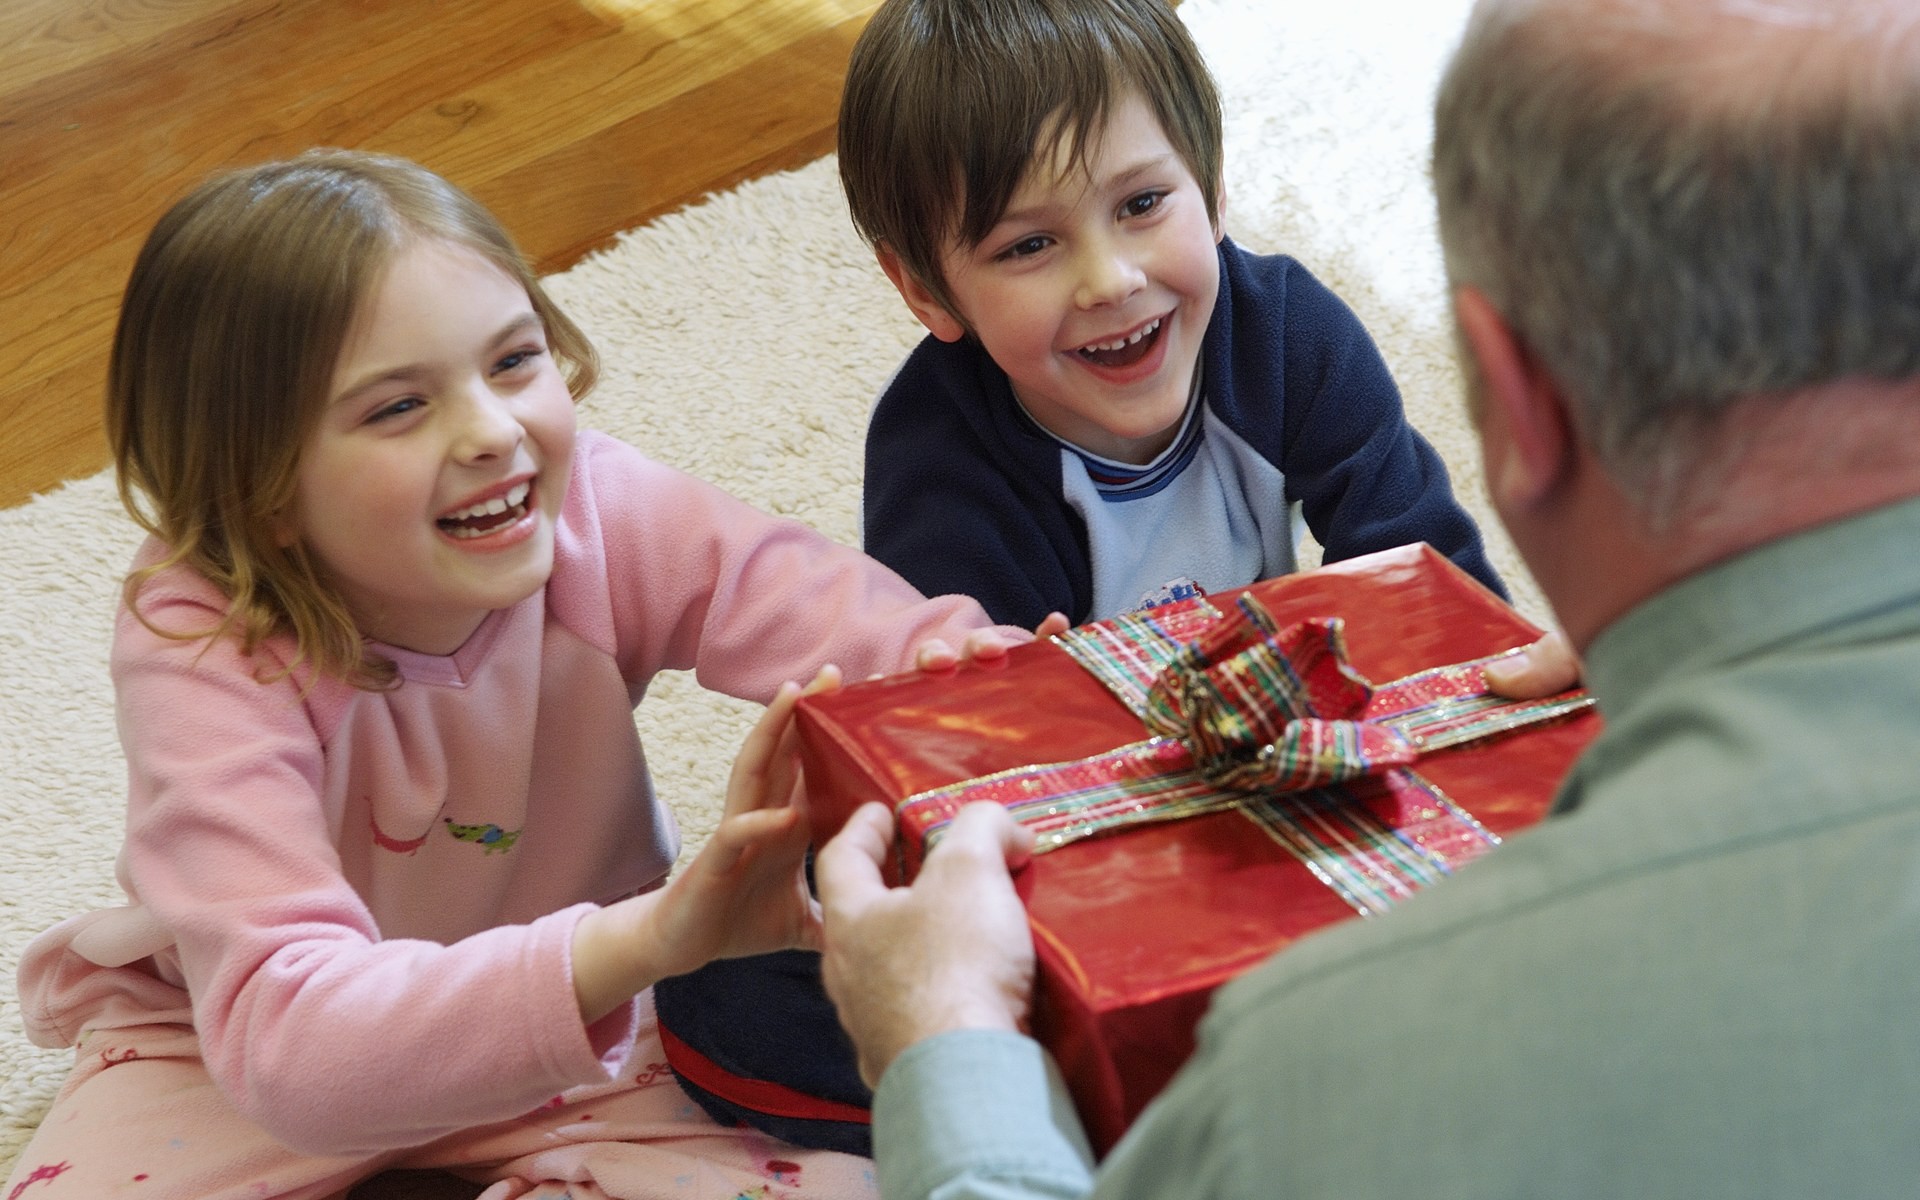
949, 103
236, 312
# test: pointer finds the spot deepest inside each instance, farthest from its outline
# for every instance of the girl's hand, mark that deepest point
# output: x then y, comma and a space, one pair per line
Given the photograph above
744, 893
982, 644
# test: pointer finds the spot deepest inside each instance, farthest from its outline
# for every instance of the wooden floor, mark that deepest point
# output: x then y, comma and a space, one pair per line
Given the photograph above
571, 119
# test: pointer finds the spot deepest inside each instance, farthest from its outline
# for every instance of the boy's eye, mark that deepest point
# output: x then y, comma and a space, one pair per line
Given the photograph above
1141, 205
1026, 247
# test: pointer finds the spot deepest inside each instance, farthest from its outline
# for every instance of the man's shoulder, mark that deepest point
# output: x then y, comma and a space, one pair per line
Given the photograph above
1655, 959
1700, 845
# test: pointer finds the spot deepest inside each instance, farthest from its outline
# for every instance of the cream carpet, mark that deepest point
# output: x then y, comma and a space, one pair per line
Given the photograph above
743, 340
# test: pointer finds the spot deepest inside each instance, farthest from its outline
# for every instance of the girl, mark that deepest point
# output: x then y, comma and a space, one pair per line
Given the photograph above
393, 863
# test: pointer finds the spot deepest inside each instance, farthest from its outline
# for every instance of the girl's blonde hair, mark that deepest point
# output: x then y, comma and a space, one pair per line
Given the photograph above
234, 317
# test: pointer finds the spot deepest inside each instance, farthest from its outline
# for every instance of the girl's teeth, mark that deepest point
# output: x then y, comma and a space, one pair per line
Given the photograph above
478, 520
488, 508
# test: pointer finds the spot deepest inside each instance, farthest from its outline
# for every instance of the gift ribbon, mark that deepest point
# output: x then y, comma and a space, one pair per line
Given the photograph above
1243, 715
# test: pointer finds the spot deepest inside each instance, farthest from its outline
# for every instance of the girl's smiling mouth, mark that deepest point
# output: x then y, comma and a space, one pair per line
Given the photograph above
478, 520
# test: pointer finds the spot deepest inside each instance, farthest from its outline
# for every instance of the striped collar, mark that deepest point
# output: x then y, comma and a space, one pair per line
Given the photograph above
1132, 481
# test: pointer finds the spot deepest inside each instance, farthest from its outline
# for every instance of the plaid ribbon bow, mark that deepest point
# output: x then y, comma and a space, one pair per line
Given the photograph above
1264, 711
1276, 724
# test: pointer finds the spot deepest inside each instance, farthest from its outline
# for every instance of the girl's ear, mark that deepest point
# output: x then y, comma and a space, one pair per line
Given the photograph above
286, 527
934, 315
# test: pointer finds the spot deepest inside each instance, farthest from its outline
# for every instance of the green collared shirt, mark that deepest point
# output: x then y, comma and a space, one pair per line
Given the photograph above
1700, 977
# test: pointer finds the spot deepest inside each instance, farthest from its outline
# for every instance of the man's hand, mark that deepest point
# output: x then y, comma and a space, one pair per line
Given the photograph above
982, 645
953, 951
1542, 669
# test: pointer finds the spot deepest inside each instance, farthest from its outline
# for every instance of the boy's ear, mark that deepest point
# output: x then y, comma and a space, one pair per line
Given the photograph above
1525, 424
934, 315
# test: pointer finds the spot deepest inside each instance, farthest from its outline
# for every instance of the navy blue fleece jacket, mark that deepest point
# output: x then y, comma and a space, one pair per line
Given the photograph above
964, 492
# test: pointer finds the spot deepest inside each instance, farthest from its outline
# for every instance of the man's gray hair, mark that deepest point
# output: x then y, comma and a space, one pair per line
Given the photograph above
1667, 240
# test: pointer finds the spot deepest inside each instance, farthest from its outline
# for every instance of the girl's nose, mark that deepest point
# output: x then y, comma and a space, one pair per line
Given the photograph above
489, 428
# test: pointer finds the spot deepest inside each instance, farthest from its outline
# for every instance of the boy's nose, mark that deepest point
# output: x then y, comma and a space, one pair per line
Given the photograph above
1108, 275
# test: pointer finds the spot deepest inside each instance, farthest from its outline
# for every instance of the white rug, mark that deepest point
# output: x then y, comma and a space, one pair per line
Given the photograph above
743, 340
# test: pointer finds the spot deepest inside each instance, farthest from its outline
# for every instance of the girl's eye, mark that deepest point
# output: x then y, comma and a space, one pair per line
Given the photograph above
400, 407
518, 359
1141, 205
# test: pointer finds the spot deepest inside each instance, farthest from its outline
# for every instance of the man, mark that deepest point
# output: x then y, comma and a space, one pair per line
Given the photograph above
1684, 242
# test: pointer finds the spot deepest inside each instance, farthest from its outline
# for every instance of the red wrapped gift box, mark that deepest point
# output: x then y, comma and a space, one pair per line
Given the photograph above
1135, 927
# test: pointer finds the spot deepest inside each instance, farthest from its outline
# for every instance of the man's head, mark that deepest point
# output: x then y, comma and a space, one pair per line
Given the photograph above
1678, 204
1693, 223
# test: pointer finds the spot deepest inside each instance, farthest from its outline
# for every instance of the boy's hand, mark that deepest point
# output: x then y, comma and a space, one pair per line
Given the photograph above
983, 645
1547, 667
744, 893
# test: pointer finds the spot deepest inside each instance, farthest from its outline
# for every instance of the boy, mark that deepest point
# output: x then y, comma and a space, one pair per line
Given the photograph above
1115, 404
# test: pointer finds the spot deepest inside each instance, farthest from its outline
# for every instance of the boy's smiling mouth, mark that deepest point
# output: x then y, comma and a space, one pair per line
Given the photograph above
480, 519
1125, 351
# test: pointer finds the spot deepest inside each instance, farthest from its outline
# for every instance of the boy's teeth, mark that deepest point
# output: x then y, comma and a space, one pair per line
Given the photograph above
1124, 342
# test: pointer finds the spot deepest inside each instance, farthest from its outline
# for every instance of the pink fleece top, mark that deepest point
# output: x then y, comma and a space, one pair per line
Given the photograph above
369, 897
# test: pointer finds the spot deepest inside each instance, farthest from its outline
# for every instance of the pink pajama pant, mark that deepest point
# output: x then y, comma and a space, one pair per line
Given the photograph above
140, 1118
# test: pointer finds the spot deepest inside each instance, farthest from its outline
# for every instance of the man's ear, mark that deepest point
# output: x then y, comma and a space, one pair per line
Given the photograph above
934, 315
1526, 427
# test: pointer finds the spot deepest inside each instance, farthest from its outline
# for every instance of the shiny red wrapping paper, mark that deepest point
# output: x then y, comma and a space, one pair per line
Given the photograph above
1133, 930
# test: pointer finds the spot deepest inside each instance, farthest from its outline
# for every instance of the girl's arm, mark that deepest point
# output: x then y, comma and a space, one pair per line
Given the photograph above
695, 579
325, 1032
